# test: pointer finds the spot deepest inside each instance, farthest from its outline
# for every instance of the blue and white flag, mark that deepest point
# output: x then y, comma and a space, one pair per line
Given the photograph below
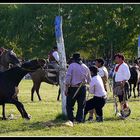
139, 41
57, 26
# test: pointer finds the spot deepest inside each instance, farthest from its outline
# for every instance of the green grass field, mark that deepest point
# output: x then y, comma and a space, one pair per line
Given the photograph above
47, 120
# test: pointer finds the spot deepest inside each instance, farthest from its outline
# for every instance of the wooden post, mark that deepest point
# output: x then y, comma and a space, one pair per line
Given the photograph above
62, 55
139, 46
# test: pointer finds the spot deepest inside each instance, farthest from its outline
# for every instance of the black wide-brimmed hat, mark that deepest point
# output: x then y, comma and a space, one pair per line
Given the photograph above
76, 56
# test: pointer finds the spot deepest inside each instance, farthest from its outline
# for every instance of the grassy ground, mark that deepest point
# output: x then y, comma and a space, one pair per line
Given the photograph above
47, 121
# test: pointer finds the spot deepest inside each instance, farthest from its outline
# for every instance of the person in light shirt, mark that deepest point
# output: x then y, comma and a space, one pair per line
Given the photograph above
77, 76
98, 101
121, 75
102, 71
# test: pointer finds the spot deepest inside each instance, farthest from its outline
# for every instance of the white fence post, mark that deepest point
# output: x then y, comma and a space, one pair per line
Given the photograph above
61, 51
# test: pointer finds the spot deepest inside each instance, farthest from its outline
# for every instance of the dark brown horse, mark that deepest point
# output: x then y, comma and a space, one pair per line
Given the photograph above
133, 81
48, 75
11, 78
7, 59
135, 78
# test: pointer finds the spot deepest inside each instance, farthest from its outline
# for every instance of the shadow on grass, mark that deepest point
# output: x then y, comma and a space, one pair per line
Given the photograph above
113, 119
31, 126
57, 122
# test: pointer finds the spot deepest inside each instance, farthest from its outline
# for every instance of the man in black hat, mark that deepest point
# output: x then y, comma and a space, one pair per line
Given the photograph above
78, 74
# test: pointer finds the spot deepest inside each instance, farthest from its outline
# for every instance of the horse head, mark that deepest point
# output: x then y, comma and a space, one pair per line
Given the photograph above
12, 57
8, 57
33, 65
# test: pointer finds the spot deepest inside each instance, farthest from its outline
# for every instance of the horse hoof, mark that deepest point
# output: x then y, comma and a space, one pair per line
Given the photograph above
29, 116
4, 118
11, 116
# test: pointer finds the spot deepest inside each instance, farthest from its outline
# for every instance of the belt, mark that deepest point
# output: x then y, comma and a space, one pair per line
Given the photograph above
77, 85
104, 97
120, 82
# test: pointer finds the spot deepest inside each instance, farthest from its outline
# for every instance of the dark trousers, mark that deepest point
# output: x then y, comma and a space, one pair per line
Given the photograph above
70, 102
96, 103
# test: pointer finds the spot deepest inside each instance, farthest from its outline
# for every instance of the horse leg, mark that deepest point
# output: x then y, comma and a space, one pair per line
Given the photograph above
138, 89
32, 92
3, 112
35, 87
21, 109
37, 90
126, 90
130, 91
134, 90
59, 92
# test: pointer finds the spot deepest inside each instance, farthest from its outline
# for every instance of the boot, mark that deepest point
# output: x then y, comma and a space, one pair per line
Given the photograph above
90, 119
99, 119
84, 118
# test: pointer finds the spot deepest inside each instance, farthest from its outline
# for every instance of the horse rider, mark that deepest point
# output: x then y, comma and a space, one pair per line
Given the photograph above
53, 57
1, 50
103, 72
121, 76
77, 76
98, 101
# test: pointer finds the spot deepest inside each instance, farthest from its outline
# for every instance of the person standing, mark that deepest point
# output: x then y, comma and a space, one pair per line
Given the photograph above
121, 76
77, 76
1, 51
98, 101
102, 71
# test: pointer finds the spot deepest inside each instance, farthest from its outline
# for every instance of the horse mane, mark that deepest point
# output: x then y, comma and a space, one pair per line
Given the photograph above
8, 58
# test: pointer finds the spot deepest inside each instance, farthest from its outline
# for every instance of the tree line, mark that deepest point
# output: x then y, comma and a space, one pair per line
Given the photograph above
95, 30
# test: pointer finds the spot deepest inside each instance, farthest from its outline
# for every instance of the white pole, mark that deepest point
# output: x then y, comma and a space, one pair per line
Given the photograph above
61, 51
138, 46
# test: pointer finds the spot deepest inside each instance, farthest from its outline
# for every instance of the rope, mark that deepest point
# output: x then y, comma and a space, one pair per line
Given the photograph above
77, 90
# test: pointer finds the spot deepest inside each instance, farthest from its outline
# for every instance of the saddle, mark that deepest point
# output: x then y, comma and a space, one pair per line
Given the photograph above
52, 74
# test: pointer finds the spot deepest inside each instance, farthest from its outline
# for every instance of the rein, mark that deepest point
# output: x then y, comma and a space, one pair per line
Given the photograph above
27, 69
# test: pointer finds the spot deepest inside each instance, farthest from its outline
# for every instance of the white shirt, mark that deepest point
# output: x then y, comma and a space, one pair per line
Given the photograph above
56, 55
103, 71
96, 86
123, 73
